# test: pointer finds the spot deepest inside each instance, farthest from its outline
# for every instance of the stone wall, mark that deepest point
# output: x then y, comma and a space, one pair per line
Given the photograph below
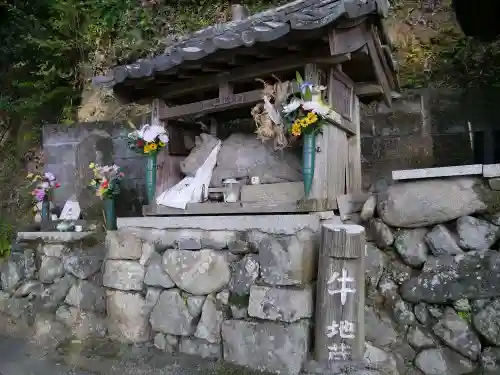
241, 288
424, 128
53, 282
432, 275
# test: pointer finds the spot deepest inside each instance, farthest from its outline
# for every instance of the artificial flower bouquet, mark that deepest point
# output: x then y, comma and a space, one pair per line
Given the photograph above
106, 180
287, 113
42, 185
304, 112
148, 140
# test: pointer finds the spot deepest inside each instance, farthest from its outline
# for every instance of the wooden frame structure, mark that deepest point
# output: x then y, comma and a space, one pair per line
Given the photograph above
340, 44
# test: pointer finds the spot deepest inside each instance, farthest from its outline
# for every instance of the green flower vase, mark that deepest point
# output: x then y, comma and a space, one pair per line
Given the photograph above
308, 156
110, 213
151, 178
45, 214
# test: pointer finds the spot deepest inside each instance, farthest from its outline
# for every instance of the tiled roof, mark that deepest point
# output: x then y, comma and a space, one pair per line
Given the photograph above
264, 27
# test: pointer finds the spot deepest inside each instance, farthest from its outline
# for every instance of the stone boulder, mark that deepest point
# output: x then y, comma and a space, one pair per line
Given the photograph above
87, 296
176, 314
490, 361
244, 273
487, 322
476, 234
127, 319
200, 348
287, 260
197, 272
280, 304
212, 316
84, 263
204, 144
456, 333
427, 202
443, 361
83, 324
411, 246
123, 275
442, 242
450, 278
155, 274
243, 155
248, 344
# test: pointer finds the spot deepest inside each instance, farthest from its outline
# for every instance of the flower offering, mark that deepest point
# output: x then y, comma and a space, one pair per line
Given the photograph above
43, 185
148, 140
106, 180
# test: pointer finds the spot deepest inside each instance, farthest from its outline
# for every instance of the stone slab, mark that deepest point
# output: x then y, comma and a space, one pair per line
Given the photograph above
51, 237
273, 224
491, 170
460, 170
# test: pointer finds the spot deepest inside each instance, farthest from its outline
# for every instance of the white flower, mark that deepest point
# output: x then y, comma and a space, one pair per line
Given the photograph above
163, 138
292, 106
316, 107
49, 176
150, 132
45, 185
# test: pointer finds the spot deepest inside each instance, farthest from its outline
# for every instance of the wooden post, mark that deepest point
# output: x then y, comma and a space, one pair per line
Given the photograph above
354, 178
340, 295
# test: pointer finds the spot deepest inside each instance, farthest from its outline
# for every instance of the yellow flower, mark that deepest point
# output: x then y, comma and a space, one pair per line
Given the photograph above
153, 146
30, 175
146, 148
161, 144
93, 183
92, 165
296, 128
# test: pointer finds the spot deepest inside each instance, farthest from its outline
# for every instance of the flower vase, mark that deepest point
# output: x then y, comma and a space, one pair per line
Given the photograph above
151, 178
308, 156
110, 213
45, 214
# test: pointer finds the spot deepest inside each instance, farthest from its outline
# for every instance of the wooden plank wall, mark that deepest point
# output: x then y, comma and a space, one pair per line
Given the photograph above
338, 155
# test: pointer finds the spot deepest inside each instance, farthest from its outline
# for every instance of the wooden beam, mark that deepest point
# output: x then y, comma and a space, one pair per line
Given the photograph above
377, 65
332, 60
264, 68
363, 89
383, 57
211, 105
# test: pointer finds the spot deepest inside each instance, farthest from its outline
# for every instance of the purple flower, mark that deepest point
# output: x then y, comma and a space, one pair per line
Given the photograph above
39, 194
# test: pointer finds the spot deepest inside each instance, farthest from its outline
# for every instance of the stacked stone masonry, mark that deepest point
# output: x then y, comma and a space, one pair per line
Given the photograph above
247, 296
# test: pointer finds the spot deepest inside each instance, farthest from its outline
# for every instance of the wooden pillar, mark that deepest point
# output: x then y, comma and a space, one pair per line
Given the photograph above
354, 178
340, 295
319, 188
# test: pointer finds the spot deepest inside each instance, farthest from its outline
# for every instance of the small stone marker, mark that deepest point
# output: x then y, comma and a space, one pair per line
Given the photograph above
340, 295
71, 210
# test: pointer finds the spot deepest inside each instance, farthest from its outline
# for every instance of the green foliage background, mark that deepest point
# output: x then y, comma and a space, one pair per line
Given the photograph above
50, 48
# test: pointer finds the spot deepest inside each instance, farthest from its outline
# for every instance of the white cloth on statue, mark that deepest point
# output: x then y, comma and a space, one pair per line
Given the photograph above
190, 189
